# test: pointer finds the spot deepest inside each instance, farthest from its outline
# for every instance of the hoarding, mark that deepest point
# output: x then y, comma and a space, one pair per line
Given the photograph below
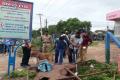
15, 19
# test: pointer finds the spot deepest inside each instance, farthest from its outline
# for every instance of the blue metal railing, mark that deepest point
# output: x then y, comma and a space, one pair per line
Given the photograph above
109, 36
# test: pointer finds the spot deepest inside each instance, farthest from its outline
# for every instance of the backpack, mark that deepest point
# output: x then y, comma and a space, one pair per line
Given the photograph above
44, 66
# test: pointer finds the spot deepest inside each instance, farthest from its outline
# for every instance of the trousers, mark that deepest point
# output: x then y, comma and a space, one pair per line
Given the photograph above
26, 55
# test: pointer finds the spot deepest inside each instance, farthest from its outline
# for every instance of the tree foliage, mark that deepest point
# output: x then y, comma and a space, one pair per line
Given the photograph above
70, 25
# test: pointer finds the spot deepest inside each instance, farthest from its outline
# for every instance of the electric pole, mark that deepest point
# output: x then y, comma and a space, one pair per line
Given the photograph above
40, 23
107, 28
46, 22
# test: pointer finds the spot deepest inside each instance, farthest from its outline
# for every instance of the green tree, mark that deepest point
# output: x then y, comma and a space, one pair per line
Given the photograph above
35, 33
52, 29
61, 25
70, 24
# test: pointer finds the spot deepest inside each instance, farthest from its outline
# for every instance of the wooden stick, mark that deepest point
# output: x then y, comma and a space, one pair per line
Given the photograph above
84, 75
72, 74
93, 73
114, 76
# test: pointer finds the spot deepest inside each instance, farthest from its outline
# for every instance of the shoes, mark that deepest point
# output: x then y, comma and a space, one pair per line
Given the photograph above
72, 62
28, 65
24, 65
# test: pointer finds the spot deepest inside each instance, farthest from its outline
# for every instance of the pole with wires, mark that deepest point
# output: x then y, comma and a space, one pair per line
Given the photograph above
40, 23
46, 23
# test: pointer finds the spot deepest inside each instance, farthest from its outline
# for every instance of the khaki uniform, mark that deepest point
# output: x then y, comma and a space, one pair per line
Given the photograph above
83, 52
46, 43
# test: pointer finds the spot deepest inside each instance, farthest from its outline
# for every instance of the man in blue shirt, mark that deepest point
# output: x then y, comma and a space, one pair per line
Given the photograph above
60, 46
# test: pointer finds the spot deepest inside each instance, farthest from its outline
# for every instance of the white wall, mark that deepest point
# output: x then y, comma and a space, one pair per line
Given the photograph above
117, 28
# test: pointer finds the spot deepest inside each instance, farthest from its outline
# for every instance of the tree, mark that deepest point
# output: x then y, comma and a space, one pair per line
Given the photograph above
52, 29
61, 25
34, 33
70, 24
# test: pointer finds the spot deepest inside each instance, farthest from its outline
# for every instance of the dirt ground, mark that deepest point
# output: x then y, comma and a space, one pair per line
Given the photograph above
94, 52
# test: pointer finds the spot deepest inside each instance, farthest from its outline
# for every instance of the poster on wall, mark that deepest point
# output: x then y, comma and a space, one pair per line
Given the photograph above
16, 19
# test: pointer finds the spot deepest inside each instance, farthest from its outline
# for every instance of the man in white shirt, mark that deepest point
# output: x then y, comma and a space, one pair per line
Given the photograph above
75, 43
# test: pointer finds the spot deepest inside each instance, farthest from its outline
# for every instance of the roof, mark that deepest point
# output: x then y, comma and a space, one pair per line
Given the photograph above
113, 16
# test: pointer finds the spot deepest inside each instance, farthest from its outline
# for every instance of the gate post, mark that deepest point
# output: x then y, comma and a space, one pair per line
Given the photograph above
107, 48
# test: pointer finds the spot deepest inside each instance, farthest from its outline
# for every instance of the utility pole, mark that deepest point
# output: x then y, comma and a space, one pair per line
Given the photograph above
107, 28
40, 23
46, 22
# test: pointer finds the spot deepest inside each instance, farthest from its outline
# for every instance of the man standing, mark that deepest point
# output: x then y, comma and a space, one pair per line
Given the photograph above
60, 46
66, 38
26, 47
75, 44
84, 46
46, 39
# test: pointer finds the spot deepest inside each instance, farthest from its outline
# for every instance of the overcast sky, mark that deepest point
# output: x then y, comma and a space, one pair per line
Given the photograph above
89, 10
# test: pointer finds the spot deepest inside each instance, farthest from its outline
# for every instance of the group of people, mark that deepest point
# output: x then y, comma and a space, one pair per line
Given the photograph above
74, 46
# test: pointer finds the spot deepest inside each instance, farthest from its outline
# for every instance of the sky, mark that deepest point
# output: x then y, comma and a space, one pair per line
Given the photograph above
85, 10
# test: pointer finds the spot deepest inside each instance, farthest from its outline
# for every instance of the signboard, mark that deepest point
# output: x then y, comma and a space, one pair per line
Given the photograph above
15, 19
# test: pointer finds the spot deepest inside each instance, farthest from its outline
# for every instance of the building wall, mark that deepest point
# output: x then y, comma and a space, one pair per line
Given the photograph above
117, 29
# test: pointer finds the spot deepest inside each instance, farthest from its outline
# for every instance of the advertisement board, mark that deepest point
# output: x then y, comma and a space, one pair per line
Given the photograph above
16, 19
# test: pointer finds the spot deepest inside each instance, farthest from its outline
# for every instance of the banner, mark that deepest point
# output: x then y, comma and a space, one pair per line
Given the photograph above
15, 19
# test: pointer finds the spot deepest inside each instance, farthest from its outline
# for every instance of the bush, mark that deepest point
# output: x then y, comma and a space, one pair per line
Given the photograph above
37, 43
108, 70
21, 73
